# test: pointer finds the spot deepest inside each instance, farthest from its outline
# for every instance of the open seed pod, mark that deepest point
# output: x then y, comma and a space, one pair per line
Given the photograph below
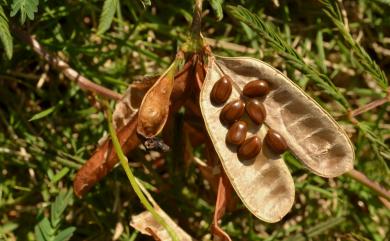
264, 183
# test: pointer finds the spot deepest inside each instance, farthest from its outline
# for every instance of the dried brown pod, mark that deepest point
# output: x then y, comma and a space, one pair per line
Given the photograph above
126, 115
154, 109
264, 184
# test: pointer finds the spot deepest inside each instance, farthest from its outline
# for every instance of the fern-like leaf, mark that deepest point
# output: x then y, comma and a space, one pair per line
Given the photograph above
332, 10
5, 34
47, 230
65, 234
109, 9
217, 7
27, 8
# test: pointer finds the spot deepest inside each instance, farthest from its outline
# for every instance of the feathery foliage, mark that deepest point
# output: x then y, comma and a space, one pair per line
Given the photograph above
47, 230
217, 7
332, 10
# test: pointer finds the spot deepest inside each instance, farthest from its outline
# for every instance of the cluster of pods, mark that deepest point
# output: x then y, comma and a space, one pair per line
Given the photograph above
232, 113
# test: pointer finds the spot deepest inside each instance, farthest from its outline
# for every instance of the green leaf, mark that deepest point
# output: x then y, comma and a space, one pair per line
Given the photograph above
42, 114
59, 175
5, 34
38, 234
8, 227
58, 207
65, 234
217, 7
46, 230
107, 15
26, 8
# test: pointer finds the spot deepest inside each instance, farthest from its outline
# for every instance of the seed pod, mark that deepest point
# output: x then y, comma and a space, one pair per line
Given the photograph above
250, 148
256, 111
232, 111
256, 88
275, 142
265, 185
154, 109
237, 133
221, 90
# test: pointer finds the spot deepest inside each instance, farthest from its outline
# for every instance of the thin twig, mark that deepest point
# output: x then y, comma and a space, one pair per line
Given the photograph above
230, 46
63, 67
369, 106
363, 179
197, 23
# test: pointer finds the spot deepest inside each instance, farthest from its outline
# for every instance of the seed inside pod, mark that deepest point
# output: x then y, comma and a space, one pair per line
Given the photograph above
256, 88
250, 148
232, 112
221, 90
237, 133
275, 142
256, 111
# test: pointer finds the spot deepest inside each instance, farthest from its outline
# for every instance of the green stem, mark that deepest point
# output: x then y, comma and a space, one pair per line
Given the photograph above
124, 162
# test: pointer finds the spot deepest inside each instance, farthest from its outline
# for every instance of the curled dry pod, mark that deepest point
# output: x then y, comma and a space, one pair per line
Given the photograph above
232, 111
154, 109
265, 186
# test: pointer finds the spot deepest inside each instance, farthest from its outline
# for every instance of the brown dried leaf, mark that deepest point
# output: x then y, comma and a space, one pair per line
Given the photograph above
312, 134
127, 106
105, 158
146, 224
223, 196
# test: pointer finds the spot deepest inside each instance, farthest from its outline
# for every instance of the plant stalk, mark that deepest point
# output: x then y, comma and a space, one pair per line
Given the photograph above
124, 162
363, 179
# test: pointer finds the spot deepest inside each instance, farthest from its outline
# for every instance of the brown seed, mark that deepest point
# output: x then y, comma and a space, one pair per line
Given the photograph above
275, 142
256, 111
250, 148
237, 133
232, 111
221, 90
256, 88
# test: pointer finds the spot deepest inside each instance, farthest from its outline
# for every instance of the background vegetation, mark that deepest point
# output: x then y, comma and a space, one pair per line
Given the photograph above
49, 126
